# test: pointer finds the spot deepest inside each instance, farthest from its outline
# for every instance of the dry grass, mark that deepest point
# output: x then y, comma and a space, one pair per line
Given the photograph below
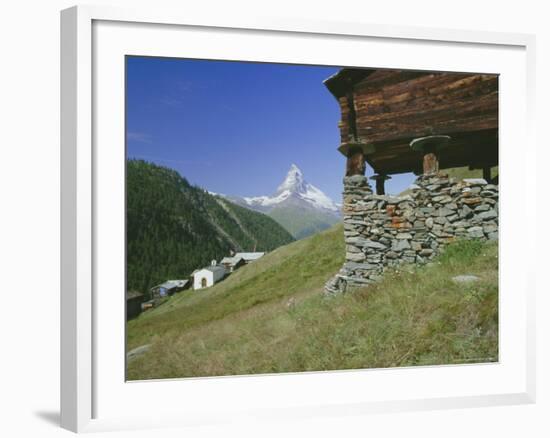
244, 325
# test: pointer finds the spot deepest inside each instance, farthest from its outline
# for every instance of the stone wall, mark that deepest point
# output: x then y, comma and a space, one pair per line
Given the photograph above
383, 231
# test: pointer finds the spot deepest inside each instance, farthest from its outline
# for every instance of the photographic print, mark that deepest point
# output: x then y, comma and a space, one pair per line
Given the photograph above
287, 218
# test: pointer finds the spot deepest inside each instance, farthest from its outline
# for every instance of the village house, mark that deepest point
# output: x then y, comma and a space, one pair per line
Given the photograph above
133, 303
169, 287
232, 263
249, 256
206, 277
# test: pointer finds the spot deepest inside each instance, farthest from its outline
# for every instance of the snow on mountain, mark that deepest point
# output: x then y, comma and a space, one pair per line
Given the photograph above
294, 186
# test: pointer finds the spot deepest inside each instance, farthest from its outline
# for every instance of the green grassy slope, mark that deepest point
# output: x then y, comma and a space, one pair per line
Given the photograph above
465, 172
270, 316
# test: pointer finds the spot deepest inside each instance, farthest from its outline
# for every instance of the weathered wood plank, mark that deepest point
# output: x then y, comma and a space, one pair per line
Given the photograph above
392, 107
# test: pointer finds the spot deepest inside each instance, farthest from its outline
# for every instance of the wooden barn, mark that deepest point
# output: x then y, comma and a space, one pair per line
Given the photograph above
249, 257
401, 121
133, 304
169, 287
232, 263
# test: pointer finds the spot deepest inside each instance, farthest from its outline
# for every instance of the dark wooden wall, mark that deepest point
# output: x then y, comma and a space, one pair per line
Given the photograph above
392, 107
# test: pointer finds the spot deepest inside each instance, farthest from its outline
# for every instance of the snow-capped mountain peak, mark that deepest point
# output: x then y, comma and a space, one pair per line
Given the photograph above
295, 186
294, 180
297, 205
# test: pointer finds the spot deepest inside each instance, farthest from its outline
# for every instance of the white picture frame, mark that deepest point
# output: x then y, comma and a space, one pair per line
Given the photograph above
92, 392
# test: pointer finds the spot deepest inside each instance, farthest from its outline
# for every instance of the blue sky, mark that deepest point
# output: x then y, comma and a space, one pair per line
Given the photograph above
236, 127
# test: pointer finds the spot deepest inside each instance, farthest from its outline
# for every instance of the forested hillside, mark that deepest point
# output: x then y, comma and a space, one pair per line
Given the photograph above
174, 228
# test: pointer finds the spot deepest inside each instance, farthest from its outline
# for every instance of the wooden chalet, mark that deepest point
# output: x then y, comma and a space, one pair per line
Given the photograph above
133, 303
401, 121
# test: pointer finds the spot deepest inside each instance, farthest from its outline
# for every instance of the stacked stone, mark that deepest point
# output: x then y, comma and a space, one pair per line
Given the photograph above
385, 231
357, 268
464, 209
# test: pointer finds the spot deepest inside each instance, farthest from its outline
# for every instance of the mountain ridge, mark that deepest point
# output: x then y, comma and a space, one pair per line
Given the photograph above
300, 207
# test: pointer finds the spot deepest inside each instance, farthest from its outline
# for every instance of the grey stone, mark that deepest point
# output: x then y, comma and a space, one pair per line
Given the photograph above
400, 245
441, 233
355, 222
138, 351
371, 204
433, 187
427, 210
350, 233
392, 200
444, 211
493, 236
442, 199
417, 246
355, 257
404, 236
426, 252
476, 232
405, 198
362, 266
356, 180
482, 207
490, 228
372, 244
429, 222
374, 258
486, 215
475, 181
465, 279
489, 193
466, 212
334, 286
357, 280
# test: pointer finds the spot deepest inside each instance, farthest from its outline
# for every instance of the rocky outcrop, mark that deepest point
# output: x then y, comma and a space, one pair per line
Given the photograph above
384, 231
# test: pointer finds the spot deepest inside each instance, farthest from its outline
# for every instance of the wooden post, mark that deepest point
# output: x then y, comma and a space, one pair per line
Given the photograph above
355, 163
430, 163
430, 147
380, 179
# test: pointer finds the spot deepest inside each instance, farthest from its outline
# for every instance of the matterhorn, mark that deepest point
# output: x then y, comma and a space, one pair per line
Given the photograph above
297, 205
